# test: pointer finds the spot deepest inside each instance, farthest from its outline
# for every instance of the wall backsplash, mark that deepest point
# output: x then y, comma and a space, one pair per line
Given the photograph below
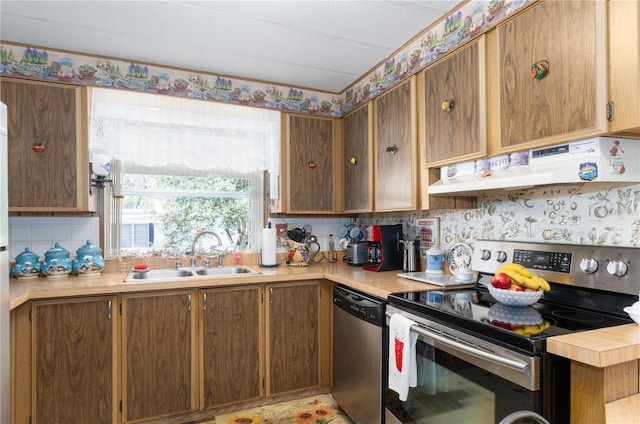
40, 233
571, 214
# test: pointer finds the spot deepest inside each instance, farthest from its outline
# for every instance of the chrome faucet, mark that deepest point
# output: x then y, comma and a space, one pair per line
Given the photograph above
195, 240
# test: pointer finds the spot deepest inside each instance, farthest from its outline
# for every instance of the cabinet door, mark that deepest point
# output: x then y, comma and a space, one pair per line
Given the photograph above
357, 160
458, 133
51, 118
624, 66
232, 365
292, 338
74, 361
568, 103
159, 348
396, 149
310, 160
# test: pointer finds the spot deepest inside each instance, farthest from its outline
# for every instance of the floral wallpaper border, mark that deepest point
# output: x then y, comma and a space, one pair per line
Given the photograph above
469, 20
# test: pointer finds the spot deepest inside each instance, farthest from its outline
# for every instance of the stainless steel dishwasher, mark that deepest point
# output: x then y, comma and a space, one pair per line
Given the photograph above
359, 367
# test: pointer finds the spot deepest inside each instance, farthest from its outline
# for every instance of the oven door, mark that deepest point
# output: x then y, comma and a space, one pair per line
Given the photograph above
463, 379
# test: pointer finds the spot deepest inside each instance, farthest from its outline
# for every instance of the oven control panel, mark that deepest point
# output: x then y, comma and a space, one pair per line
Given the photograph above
601, 267
547, 261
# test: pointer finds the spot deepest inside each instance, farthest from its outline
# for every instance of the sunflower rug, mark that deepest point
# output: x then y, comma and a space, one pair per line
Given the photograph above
320, 409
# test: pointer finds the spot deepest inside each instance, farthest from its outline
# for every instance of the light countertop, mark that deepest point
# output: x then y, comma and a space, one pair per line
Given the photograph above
599, 348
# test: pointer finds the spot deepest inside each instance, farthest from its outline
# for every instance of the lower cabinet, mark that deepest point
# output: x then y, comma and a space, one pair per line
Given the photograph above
159, 346
154, 355
232, 345
295, 344
72, 365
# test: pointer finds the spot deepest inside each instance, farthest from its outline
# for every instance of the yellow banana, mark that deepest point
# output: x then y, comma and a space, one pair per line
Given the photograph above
515, 276
544, 285
516, 268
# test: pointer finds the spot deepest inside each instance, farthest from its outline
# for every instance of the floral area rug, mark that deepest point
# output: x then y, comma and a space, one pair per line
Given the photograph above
319, 409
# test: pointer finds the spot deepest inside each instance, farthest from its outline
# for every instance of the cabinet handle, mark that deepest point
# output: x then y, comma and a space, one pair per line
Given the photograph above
204, 300
270, 295
189, 303
392, 149
109, 304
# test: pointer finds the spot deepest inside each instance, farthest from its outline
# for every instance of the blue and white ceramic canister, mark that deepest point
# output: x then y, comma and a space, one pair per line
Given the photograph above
89, 260
27, 265
56, 262
434, 260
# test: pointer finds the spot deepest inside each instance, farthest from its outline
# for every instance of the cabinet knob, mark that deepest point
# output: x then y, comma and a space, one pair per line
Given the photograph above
392, 149
448, 105
353, 160
539, 69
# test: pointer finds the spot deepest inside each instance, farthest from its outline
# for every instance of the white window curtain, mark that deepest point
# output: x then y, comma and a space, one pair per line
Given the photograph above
155, 134
159, 134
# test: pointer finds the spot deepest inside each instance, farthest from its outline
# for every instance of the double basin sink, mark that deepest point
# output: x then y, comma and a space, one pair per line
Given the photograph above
151, 275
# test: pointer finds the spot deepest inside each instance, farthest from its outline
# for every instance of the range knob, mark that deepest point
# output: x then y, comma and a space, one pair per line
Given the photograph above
501, 256
617, 268
589, 265
485, 254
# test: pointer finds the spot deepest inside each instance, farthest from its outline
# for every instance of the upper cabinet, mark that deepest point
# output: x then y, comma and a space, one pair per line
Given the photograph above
311, 154
550, 66
395, 148
453, 108
624, 67
357, 160
48, 147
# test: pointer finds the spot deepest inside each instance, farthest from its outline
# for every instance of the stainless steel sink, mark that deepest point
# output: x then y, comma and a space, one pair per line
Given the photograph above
178, 274
159, 274
225, 270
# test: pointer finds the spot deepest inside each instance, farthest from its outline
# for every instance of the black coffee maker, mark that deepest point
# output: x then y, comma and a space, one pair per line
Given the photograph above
384, 251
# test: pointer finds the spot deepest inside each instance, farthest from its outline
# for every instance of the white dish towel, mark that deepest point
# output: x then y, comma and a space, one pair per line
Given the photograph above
402, 356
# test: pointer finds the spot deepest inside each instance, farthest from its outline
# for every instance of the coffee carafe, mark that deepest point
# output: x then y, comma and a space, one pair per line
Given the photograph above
410, 255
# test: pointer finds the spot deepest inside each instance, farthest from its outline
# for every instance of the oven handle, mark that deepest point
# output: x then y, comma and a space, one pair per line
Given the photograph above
516, 365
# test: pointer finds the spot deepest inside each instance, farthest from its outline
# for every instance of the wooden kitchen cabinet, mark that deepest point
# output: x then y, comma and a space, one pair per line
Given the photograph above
53, 118
357, 160
232, 340
624, 67
159, 347
311, 146
459, 133
65, 361
569, 103
395, 148
298, 318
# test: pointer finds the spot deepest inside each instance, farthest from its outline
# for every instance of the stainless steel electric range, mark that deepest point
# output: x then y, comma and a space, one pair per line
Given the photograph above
480, 358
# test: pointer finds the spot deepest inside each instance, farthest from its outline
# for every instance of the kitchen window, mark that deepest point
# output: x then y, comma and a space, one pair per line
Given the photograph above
213, 156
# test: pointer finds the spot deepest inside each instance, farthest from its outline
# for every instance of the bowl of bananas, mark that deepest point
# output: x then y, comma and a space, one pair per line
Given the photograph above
515, 285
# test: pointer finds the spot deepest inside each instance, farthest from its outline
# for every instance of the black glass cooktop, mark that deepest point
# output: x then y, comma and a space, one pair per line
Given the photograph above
525, 327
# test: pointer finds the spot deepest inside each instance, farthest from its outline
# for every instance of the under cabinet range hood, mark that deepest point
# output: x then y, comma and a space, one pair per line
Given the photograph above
594, 160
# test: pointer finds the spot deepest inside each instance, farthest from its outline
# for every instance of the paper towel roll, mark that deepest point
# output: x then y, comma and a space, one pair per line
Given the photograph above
268, 256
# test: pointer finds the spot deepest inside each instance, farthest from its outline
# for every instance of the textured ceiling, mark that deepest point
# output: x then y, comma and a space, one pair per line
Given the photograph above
322, 45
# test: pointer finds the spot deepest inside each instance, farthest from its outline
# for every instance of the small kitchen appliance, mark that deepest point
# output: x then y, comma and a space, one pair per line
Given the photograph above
498, 352
410, 255
384, 252
356, 253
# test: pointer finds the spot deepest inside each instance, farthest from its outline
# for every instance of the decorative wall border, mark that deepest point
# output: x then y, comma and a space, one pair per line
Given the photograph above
469, 20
